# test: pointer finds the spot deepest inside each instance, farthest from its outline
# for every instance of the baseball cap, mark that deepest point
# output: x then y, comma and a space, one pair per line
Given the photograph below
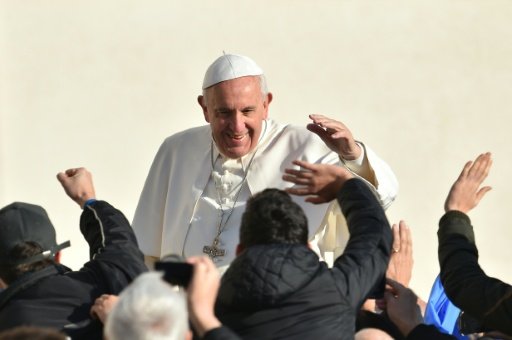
230, 66
21, 222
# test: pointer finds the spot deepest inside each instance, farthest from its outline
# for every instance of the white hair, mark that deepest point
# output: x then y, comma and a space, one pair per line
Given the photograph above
148, 308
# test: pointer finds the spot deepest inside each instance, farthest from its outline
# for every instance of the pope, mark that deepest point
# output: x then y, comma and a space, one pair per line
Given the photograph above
202, 177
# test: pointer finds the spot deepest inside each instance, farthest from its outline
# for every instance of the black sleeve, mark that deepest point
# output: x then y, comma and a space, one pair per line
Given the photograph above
428, 332
115, 258
221, 333
363, 264
485, 298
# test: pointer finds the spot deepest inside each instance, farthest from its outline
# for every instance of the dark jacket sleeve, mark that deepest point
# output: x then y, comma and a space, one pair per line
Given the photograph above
485, 298
362, 266
221, 333
115, 258
428, 332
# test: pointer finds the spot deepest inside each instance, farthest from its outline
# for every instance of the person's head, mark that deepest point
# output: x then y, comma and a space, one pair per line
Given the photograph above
235, 103
32, 333
372, 334
271, 216
27, 240
148, 308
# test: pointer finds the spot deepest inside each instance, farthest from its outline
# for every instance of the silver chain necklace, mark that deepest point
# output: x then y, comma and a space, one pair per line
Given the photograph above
214, 250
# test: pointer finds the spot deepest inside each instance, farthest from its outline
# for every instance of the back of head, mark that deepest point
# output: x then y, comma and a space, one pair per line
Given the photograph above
372, 334
9, 273
27, 236
148, 308
32, 333
271, 216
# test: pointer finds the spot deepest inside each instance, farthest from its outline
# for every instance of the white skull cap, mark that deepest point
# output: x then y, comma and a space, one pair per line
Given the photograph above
230, 66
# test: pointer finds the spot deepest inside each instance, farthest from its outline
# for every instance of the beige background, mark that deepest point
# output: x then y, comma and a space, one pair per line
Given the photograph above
427, 84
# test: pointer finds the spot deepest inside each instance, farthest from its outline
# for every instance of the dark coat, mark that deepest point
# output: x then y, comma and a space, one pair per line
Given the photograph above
60, 298
280, 291
486, 299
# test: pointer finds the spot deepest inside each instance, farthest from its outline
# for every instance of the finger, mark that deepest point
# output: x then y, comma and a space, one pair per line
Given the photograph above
340, 134
396, 238
299, 179
61, 177
389, 296
317, 118
71, 172
299, 173
298, 191
93, 312
305, 165
395, 285
381, 303
315, 200
479, 165
318, 130
465, 170
481, 193
405, 238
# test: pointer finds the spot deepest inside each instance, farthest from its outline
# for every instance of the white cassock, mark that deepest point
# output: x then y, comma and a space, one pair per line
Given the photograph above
191, 185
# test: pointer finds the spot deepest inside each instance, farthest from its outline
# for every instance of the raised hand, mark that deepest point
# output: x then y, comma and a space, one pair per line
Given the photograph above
401, 261
103, 306
321, 182
201, 294
466, 193
335, 135
77, 183
402, 307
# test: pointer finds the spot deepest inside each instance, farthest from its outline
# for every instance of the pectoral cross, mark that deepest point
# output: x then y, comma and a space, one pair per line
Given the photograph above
214, 251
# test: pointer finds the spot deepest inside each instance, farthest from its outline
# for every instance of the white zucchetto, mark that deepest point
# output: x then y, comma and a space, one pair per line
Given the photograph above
230, 66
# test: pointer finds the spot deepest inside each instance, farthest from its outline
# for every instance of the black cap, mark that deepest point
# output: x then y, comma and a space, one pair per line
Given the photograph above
22, 222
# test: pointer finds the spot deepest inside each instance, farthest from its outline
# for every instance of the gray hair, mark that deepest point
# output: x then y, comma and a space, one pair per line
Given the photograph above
263, 87
148, 308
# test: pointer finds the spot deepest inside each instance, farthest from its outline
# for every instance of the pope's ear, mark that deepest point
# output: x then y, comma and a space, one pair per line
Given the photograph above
270, 96
266, 103
201, 102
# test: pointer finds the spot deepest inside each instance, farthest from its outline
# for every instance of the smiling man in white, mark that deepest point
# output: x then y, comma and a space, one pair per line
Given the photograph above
201, 178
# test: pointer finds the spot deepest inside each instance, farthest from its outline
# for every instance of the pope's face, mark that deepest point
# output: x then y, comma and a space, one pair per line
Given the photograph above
235, 110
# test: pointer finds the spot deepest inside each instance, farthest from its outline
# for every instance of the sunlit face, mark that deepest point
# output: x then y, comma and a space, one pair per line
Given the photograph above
235, 110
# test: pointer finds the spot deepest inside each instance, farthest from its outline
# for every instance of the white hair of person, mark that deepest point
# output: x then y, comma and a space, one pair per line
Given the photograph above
263, 87
148, 309
372, 334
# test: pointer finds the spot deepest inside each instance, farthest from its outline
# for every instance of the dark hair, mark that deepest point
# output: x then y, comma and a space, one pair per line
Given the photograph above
10, 273
32, 333
272, 217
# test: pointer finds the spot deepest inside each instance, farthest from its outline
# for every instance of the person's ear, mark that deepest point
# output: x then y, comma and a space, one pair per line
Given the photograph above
3, 285
266, 103
56, 258
201, 102
188, 335
239, 249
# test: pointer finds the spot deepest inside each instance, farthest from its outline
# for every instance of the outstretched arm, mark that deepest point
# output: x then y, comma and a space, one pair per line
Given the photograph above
461, 274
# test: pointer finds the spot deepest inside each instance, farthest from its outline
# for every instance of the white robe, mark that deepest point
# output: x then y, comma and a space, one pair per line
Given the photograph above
182, 170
